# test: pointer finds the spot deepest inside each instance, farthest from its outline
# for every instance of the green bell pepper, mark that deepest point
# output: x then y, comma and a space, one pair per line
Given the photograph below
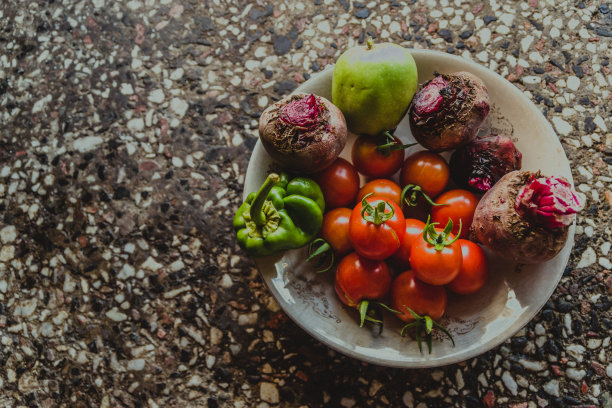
282, 215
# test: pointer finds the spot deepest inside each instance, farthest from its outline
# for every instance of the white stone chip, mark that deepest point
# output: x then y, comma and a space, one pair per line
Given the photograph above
116, 315
179, 106
136, 364
408, 399
41, 103
177, 265
7, 253
507, 19
509, 382
8, 234
126, 89
589, 257
484, 35
136, 124
126, 272
87, 143
600, 123
483, 56
573, 82
533, 365
562, 126
151, 264
195, 334
177, 161
526, 43
532, 79
324, 27
576, 351
502, 29
269, 392
195, 381
177, 74
536, 57
226, 281
605, 262
554, 32
156, 96
552, 388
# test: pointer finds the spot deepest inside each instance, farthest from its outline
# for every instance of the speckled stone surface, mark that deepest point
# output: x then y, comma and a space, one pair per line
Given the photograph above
126, 131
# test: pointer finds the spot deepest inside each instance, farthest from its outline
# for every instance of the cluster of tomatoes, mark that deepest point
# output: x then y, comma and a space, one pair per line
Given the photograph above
401, 245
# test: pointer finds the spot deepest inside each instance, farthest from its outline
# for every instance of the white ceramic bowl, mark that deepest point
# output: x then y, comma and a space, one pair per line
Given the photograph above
511, 297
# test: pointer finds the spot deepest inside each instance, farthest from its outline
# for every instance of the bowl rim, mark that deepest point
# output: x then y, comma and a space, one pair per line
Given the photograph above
494, 342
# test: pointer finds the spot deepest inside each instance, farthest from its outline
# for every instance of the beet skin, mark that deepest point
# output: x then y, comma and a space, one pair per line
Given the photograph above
498, 226
448, 111
303, 133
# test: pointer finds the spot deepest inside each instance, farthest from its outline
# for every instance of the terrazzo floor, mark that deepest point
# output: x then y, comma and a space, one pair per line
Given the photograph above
126, 132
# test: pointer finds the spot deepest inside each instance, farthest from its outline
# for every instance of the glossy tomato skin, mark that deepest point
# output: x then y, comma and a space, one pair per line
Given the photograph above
401, 257
358, 279
457, 204
335, 230
372, 163
381, 188
376, 241
407, 291
426, 169
339, 183
433, 266
474, 269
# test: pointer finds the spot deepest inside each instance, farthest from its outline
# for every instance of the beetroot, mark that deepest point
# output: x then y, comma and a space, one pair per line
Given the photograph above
303, 133
448, 111
525, 217
479, 164
549, 202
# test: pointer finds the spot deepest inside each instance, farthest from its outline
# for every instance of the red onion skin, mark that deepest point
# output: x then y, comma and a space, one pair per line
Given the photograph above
482, 162
448, 111
303, 133
498, 226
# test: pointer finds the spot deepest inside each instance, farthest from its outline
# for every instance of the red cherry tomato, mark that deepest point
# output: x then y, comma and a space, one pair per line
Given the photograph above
408, 292
335, 229
359, 279
371, 162
458, 205
377, 234
426, 169
435, 266
339, 183
384, 188
414, 228
474, 269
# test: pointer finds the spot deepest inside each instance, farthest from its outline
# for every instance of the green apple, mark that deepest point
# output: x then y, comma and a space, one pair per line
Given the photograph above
373, 86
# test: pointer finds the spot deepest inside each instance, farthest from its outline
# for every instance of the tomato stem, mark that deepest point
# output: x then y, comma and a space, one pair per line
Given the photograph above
324, 250
427, 324
412, 192
439, 240
366, 313
391, 144
376, 215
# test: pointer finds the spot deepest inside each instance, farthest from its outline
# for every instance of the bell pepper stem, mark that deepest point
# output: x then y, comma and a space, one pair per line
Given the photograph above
256, 206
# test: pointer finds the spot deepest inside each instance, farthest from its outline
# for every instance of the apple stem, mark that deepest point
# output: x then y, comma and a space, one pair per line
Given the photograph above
369, 43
